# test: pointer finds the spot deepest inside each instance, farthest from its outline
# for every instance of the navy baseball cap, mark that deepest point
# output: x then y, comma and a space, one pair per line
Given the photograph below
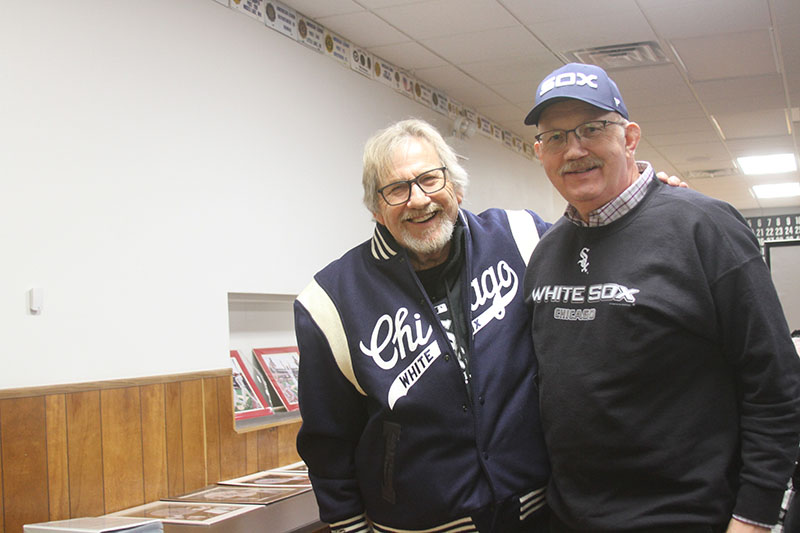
578, 81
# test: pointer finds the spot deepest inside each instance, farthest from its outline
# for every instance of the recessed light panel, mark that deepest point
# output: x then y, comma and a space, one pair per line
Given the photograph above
767, 164
777, 190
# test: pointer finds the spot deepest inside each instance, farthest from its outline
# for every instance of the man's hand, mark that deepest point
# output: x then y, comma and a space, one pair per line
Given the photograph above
673, 181
735, 526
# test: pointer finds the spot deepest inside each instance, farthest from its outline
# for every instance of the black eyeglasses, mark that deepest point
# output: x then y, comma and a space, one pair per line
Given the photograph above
399, 192
556, 140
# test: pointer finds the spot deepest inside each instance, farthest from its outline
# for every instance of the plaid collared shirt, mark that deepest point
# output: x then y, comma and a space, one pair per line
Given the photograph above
619, 206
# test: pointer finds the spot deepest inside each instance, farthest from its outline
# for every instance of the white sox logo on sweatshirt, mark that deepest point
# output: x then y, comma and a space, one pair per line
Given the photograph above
610, 293
396, 336
584, 260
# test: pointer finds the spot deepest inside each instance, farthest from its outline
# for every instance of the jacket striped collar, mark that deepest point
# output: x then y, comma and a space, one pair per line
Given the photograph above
383, 245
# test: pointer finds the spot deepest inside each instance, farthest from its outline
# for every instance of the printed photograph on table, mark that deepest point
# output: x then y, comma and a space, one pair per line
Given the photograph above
240, 494
299, 467
188, 512
248, 401
281, 365
269, 478
97, 524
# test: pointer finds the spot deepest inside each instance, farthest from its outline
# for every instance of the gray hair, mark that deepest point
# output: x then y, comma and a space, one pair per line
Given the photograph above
379, 157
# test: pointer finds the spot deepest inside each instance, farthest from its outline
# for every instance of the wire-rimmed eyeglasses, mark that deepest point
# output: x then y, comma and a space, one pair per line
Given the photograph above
556, 140
399, 192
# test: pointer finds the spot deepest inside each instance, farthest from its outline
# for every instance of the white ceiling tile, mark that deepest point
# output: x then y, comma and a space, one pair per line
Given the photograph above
364, 29
657, 112
531, 13
763, 123
742, 94
775, 203
377, 4
727, 56
408, 56
730, 189
644, 85
761, 146
646, 153
510, 70
666, 127
484, 45
696, 153
314, 8
446, 17
790, 50
786, 12
519, 93
504, 112
580, 32
458, 85
673, 139
691, 18
704, 164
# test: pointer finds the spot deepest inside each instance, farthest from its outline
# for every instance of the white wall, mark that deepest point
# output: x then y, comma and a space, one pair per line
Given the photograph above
155, 156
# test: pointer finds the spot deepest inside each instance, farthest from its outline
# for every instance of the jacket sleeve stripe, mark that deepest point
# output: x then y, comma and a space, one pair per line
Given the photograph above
356, 524
523, 228
323, 311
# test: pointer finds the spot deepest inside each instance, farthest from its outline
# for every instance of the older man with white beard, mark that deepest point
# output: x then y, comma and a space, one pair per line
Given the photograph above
417, 381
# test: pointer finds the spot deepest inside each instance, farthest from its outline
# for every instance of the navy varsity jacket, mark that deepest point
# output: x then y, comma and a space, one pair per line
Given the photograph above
390, 434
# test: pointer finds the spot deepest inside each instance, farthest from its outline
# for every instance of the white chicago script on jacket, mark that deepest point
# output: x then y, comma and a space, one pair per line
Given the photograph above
397, 335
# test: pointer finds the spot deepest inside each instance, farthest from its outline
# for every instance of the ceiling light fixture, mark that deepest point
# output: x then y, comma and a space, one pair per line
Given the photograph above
777, 190
767, 164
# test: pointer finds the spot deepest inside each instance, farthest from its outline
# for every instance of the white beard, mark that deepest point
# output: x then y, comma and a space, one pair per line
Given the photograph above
433, 241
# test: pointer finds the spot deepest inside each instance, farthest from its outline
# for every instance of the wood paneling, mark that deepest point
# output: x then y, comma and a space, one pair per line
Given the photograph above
268, 448
154, 442
71, 388
57, 465
174, 439
232, 445
251, 444
24, 451
194, 446
211, 411
85, 454
89, 452
2, 513
287, 446
121, 418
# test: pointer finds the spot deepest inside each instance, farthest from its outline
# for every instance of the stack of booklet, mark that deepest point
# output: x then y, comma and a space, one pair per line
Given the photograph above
240, 505
98, 524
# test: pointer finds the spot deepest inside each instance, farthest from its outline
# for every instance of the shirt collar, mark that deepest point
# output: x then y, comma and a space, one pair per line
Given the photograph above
619, 206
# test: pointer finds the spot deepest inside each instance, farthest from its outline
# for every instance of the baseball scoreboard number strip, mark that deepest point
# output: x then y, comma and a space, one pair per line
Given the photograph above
775, 228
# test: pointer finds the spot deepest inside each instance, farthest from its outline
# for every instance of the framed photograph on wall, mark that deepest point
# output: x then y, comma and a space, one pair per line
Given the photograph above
281, 365
248, 402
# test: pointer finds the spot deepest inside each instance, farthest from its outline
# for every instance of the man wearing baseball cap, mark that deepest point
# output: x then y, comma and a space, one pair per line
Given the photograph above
669, 385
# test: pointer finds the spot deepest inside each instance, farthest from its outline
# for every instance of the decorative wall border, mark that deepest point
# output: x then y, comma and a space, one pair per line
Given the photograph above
298, 27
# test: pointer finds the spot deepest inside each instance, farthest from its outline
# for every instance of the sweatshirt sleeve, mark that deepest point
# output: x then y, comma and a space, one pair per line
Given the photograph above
334, 415
756, 338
